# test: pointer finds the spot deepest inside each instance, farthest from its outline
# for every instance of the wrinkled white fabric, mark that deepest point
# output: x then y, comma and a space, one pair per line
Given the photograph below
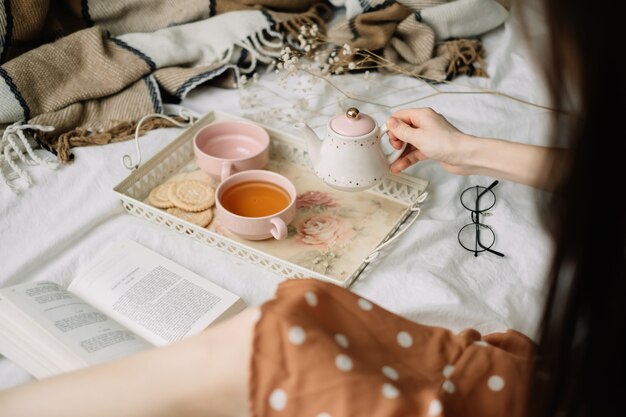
55, 228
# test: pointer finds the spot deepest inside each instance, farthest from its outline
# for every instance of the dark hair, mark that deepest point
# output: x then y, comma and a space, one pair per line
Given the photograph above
580, 368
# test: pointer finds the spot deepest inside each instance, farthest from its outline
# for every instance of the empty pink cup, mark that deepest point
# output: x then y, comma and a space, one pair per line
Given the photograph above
224, 148
257, 228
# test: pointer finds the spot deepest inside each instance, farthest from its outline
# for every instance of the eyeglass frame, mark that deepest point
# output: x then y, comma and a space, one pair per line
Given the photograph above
475, 215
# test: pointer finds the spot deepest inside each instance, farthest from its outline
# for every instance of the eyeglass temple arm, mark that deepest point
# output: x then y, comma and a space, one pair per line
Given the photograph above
495, 252
493, 184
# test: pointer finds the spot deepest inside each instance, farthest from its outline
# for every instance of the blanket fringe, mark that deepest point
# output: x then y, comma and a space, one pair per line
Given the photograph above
15, 145
263, 47
318, 15
292, 26
467, 57
63, 143
268, 45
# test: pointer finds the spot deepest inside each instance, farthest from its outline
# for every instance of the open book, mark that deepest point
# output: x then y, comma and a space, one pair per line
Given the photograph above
130, 300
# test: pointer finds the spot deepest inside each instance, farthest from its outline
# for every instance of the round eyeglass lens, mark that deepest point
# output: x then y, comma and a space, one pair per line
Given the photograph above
478, 199
476, 237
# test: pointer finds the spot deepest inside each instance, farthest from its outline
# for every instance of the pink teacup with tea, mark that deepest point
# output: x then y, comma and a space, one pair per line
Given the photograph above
256, 204
226, 147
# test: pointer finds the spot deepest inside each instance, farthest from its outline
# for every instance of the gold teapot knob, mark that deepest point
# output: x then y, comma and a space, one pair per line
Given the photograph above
352, 113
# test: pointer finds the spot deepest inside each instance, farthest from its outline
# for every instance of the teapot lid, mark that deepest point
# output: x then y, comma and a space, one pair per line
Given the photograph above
353, 123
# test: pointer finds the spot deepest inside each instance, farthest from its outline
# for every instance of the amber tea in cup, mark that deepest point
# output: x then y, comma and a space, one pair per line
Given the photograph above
256, 204
255, 199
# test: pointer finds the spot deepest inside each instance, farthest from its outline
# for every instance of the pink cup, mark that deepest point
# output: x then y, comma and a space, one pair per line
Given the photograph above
224, 148
257, 228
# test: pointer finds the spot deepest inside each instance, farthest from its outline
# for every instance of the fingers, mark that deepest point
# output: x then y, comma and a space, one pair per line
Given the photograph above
400, 131
407, 160
409, 148
394, 141
414, 117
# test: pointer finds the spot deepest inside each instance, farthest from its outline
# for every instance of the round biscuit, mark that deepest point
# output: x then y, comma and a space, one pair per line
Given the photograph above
201, 218
200, 176
191, 195
158, 197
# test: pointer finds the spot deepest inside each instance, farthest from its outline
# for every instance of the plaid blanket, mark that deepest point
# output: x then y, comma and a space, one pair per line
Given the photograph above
433, 39
82, 72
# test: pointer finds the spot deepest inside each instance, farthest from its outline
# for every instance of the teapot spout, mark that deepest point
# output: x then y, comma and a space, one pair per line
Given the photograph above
313, 143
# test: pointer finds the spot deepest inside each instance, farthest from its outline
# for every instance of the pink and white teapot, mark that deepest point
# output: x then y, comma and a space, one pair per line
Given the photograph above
351, 157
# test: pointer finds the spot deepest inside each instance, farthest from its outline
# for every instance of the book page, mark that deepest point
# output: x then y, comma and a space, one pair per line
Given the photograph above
151, 295
48, 312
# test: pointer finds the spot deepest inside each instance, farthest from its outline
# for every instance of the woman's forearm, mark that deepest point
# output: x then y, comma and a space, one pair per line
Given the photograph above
522, 163
148, 384
204, 375
431, 136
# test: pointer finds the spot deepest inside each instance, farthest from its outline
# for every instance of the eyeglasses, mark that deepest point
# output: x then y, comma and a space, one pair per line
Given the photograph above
476, 236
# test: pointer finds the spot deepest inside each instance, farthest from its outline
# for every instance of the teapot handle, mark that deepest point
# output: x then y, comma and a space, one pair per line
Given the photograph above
397, 153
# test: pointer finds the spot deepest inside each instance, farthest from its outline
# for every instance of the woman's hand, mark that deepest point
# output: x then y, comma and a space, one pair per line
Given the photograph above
429, 136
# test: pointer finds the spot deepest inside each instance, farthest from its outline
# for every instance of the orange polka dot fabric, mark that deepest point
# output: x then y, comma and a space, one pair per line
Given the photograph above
322, 351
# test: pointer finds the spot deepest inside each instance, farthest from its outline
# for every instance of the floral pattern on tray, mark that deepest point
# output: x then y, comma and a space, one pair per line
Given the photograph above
332, 234
333, 231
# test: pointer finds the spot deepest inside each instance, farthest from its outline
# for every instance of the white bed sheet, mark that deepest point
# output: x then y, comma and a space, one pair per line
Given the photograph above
53, 229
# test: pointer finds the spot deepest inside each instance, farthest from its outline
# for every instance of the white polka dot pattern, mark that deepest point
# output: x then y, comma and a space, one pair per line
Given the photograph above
296, 335
278, 399
435, 408
342, 340
364, 304
495, 383
390, 373
463, 375
343, 362
405, 340
311, 298
390, 391
448, 386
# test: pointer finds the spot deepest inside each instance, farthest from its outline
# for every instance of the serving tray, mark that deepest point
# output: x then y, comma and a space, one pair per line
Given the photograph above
335, 236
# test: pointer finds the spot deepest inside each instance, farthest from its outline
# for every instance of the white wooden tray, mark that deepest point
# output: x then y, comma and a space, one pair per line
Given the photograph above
335, 235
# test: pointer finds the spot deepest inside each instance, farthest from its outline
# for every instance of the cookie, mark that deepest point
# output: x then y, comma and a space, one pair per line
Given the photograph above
158, 197
191, 195
201, 218
200, 176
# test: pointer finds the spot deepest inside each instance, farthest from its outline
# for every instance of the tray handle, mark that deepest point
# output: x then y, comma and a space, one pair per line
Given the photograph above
415, 208
184, 113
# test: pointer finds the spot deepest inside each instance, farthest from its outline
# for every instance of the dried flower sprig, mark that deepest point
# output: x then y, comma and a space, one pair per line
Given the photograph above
324, 57
312, 54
